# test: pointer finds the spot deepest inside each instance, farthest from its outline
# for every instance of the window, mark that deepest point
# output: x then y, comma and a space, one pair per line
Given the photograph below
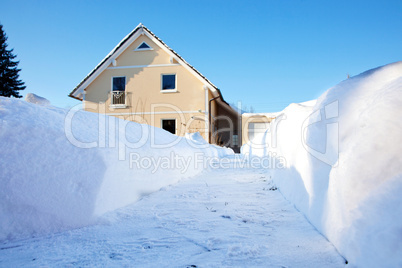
169, 82
169, 125
119, 83
235, 140
118, 91
256, 128
143, 46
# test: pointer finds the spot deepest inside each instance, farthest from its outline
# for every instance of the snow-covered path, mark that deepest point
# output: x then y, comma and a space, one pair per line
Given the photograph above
225, 217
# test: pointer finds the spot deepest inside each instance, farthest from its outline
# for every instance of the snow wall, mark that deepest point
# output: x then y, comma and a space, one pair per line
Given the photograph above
343, 164
33, 98
62, 169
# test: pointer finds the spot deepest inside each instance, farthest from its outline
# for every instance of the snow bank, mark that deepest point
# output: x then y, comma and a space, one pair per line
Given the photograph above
33, 98
61, 169
344, 164
198, 141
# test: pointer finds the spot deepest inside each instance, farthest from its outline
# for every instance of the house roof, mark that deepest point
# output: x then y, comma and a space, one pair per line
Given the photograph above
129, 39
75, 93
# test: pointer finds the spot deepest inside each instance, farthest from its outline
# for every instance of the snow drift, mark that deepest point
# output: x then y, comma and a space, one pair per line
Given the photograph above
198, 141
61, 169
33, 98
344, 164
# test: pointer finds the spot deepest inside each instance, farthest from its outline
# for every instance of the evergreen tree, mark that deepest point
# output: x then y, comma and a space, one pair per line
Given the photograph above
9, 83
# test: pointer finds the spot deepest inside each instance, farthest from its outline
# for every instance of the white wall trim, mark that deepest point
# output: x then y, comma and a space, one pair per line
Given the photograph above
144, 66
148, 113
119, 51
203, 80
166, 91
105, 64
118, 106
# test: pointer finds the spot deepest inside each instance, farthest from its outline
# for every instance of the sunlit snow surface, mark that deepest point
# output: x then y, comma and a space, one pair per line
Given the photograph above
61, 169
344, 164
221, 218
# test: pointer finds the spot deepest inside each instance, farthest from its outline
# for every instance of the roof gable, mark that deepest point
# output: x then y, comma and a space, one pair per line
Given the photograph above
122, 47
147, 57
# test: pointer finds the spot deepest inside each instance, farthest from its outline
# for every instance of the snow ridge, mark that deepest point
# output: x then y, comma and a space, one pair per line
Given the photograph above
343, 164
62, 169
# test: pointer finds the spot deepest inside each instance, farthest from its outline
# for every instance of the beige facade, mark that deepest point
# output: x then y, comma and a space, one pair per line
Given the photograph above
143, 80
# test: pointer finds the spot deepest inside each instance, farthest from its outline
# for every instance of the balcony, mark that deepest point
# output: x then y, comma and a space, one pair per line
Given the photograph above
118, 99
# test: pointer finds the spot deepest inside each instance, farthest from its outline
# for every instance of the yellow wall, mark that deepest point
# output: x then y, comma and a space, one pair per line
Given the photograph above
146, 57
143, 89
144, 85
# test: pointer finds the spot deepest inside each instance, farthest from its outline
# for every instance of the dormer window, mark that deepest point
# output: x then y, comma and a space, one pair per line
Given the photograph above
143, 46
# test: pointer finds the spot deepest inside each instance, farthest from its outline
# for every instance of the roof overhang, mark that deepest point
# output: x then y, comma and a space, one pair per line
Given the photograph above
78, 91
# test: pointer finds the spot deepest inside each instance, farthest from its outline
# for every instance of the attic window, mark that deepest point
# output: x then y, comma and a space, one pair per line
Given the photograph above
168, 82
143, 46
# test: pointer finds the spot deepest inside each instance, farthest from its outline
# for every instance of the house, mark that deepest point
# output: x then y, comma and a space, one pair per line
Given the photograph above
144, 80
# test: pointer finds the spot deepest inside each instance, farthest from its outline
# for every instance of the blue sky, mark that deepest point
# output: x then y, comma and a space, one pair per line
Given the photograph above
265, 54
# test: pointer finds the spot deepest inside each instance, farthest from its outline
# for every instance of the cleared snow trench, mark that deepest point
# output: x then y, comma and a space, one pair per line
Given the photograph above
223, 217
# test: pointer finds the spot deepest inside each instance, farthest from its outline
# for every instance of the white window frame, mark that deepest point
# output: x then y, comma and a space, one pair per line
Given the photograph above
175, 124
175, 84
143, 49
125, 93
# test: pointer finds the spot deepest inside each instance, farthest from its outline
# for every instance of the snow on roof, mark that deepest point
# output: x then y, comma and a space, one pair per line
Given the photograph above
104, 60
176, 54
33, 98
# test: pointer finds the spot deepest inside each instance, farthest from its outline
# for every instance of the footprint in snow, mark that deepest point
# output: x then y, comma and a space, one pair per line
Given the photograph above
115, 256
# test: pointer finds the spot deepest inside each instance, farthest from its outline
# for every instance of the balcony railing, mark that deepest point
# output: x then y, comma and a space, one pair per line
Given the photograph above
118, 98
